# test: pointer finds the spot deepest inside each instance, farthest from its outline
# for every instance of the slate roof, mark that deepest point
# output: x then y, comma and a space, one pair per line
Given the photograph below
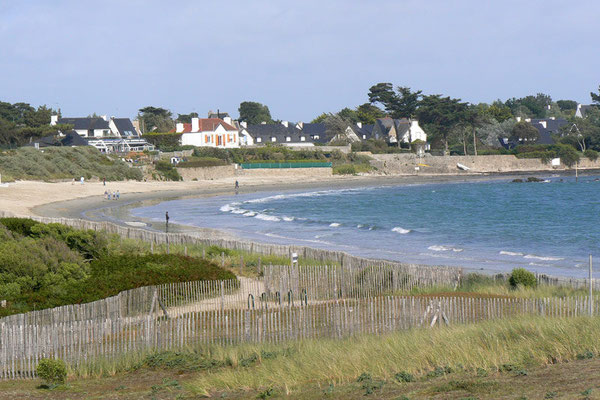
552, 128
364, 133
71, 138
280, 132
85, 123
125, 127
314, 130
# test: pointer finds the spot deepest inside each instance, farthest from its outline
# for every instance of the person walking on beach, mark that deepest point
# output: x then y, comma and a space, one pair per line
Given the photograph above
118, 195
106, 196
82, 179
237, 187
104, 181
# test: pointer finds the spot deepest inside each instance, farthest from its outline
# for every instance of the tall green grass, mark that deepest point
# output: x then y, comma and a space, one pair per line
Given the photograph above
491, 346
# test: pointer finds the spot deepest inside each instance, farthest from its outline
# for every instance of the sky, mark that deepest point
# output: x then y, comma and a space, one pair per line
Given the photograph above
300, 58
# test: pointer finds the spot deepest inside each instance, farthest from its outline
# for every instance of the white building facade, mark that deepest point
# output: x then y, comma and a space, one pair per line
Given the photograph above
208, 132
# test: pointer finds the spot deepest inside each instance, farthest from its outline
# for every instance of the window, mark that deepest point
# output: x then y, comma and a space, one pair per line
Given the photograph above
258, 140
288, 139
316, 137
273, 139
364, 136
302, 139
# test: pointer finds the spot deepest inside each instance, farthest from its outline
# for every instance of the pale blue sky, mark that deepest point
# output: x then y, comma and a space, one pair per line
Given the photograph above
301, 58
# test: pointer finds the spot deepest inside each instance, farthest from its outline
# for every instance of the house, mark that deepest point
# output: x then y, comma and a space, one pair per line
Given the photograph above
284, 133
582, 110
209, 132
547, 128
70, 139
106, 134
363, 131
395, 131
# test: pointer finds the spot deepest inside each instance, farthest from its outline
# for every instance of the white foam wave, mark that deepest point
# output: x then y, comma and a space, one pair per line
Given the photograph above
334, 224
533, 256
239, 211
359, 226
510, 253
445, 248
401, 230
288, 219
265, 217
249, 214
226, 208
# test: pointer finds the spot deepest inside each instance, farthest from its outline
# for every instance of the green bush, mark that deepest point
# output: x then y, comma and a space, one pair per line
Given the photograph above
53, 372
522, 277
214, 251
592, 155
167, 171
202, 163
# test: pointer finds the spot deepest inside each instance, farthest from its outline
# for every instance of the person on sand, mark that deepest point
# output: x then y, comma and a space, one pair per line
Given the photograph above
118, 195
104, 181
237, 187
106, 195
82, 180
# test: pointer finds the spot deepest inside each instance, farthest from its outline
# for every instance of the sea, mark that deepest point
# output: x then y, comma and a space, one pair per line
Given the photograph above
547, 227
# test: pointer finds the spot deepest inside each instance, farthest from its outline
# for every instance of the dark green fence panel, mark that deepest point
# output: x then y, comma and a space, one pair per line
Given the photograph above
287, 165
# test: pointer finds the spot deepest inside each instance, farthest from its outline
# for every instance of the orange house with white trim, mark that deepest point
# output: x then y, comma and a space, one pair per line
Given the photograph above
208, 132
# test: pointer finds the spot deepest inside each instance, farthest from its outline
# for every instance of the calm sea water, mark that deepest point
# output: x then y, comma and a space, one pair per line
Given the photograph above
548, 227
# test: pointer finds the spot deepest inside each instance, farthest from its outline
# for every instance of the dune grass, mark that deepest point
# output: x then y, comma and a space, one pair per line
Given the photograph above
480, 349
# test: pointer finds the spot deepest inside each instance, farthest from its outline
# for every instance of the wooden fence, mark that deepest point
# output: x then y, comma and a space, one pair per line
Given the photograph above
81, 342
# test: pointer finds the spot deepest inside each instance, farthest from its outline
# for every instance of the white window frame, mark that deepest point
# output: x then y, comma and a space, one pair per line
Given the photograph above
258, 140
302, 139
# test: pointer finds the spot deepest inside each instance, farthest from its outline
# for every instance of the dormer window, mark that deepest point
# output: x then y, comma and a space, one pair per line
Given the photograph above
302, 139
273, 139
364, 136
316, 137
288, 139
258, 140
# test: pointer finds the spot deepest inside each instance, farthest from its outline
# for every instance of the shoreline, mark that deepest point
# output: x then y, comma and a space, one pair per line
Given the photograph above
96, 208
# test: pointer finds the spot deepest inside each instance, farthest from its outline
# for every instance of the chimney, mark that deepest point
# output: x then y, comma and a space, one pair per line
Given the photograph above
179, 127
104, 117
359, 124
300, 125
552, 118
285, 123
195, 124
263, 123
227, 120
53, 119
518, 119
527, 119
244, 124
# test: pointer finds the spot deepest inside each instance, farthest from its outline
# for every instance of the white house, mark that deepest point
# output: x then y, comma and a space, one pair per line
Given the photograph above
209, 132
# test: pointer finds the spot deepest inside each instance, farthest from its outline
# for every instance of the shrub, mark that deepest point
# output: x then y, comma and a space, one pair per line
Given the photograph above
53, 372
568, 155
522, 277
344, 169
167, 171
592, 155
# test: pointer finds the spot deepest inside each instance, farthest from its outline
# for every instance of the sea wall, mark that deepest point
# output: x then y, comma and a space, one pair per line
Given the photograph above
404, 164
207, 173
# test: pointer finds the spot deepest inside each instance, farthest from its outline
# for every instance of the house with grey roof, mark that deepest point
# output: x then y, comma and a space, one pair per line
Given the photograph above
396, 131
106, 134
583, 109
283, 133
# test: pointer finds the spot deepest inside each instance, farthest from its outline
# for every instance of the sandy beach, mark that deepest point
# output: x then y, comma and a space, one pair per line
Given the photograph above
72, 200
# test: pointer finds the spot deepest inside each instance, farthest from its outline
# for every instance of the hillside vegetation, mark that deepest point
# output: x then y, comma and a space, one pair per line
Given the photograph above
63, 163
49, 265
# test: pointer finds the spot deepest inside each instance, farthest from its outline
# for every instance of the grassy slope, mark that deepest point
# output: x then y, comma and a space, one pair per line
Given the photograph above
63, 163
537, 359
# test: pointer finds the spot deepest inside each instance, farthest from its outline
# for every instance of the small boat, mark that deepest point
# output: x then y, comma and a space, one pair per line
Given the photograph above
462, 167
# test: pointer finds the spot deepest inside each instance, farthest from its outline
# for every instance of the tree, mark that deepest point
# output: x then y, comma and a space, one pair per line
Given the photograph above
596, 97
525, 132
254, 113
567, 105
499, 111
319, 119
530, 106
567, 154
335, 127
368, 113
155, 119
186, 118
440, 114
491, 130
401, 103
348, 115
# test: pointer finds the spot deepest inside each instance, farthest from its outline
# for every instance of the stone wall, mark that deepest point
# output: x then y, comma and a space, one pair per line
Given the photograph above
404, 164
207, 173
